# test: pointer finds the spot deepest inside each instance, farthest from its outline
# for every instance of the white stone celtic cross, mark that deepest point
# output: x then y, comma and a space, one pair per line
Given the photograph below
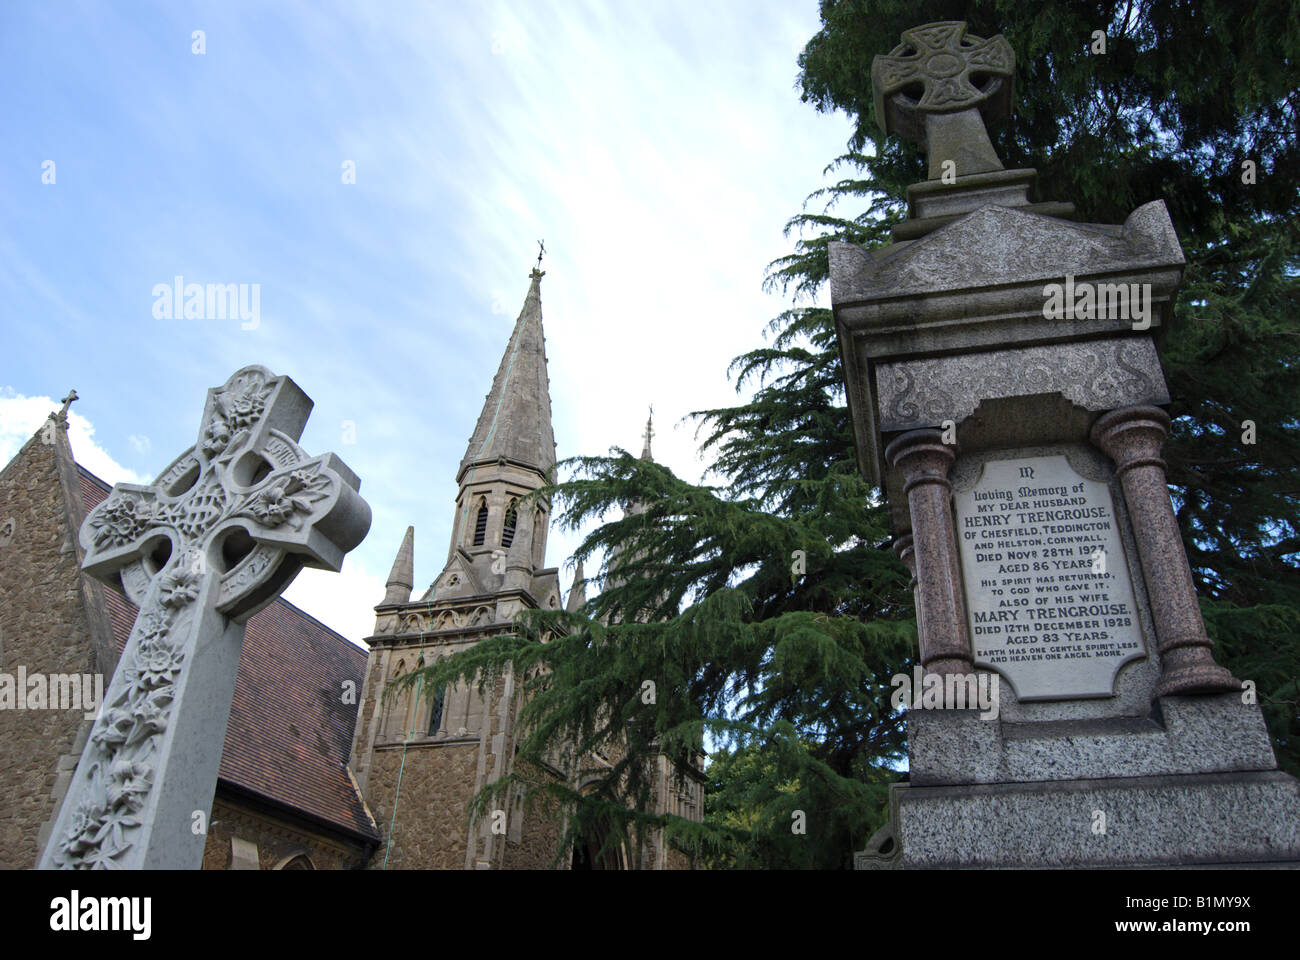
213, 540
959, 77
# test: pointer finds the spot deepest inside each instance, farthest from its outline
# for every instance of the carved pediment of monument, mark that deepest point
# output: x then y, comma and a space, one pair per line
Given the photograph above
997, 244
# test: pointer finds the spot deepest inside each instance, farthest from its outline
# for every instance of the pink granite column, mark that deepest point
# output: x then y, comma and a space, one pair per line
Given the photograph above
924, 461
1132, 437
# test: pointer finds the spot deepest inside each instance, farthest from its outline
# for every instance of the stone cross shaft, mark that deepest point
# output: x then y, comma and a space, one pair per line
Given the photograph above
946, 64
219, 535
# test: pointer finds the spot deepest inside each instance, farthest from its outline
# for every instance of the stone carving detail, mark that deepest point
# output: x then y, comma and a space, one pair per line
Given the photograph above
450, 620
428, 621
930, 264
236, 409
943, 60
7, 531
125, 737
1095, 375
290, 494
108, 811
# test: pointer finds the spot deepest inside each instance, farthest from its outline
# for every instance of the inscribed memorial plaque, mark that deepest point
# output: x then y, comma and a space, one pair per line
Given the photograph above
1048, 593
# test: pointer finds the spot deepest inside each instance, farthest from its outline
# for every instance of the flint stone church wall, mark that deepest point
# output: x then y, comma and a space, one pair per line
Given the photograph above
43, 628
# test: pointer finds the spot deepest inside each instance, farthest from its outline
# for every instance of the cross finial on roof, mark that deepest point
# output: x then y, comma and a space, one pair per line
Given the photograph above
943, 61
67, 402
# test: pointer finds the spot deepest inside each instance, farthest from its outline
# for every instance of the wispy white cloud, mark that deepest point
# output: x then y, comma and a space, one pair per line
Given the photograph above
22, 417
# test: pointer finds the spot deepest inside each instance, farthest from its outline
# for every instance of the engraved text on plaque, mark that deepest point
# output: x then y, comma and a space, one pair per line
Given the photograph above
1048, 592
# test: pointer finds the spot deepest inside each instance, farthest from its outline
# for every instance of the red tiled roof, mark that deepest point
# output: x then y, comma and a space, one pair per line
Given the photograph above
289, 732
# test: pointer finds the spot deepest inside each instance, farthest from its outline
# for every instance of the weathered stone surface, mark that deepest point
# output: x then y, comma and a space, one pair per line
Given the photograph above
1000, 245
1187, 735
944, 61
432, 822
43, 630
221, 533
280, 842
1150, 821
1134, 437
1096, 375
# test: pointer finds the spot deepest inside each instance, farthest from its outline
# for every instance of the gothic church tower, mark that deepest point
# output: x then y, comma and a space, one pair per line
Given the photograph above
416, 761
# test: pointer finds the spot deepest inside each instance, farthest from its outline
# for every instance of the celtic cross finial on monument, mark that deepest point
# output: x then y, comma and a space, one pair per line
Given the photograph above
219, 535
960, 80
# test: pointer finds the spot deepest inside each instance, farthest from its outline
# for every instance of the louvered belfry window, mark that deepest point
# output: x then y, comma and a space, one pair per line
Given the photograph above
512, 518
480, 525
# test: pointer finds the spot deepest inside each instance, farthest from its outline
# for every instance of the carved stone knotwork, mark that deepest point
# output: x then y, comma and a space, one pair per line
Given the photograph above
944, 62
1096, 375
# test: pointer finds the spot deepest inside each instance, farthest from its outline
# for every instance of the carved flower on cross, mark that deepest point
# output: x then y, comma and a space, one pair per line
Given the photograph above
179, 587
236, 411
129, 784
277, 502
120, 521
150, 715
97, 836
114, 730
153, 628
157, 663
84, 830
216, 436
246, 408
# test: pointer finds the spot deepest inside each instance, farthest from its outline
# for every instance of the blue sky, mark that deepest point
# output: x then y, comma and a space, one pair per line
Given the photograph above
658, 147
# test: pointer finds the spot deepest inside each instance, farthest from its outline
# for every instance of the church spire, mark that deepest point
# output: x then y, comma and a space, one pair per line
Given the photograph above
402, 578
649, 432
515, 424
577, 592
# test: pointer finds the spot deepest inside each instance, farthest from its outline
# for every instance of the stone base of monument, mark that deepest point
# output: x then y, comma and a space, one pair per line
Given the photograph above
1193, 784
1196, 820
1181, 735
